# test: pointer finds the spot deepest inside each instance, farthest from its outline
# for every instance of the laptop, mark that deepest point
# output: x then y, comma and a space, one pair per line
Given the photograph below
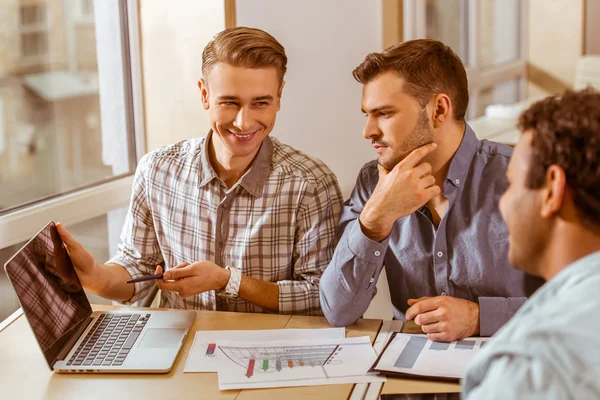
71, 336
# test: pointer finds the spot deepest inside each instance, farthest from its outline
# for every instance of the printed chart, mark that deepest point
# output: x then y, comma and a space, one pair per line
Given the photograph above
417, 355
295, 363
204, 355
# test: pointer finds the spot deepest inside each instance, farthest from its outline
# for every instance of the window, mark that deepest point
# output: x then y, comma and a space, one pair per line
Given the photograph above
71, 128
488, 36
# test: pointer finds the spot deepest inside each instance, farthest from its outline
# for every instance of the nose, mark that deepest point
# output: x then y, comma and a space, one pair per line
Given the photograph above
371, 130
243, 119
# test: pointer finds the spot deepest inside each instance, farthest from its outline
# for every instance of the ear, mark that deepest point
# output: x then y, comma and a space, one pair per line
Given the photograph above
279, 93
441, 110
553, 191
204, 93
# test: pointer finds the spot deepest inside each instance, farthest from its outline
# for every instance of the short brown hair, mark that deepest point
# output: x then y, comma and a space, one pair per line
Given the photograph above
428, 67
244, 47
566, 132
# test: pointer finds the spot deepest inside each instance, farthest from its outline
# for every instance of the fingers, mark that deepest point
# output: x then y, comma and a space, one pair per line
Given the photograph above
427, 181
414, 301
417, 155
180, 271
66, 236
430, 317
423, 170
437, 327
421, 307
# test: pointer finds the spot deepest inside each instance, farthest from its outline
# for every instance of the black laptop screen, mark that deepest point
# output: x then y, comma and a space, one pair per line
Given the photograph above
49, 291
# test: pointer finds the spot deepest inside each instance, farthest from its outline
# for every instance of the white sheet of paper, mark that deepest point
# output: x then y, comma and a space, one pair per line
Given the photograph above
244, 365
417, 355
204, 355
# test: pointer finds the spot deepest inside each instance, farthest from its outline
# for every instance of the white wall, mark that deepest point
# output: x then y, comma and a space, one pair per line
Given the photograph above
324, 41
173, 35
320, 111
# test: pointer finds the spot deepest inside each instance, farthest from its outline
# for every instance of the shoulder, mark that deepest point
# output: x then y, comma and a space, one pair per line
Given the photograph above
175, 156
298, 165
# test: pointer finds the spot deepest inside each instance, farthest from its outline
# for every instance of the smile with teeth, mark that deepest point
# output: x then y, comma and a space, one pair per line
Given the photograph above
244, 136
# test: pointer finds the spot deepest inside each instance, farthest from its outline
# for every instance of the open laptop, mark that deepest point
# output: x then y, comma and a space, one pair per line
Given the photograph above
71, 336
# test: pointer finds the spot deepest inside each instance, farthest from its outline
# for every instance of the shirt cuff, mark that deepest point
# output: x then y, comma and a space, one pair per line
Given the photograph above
140, 289
494, 312
364, 248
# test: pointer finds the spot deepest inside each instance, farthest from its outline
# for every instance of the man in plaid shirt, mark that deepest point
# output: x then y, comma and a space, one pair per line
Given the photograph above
236, 199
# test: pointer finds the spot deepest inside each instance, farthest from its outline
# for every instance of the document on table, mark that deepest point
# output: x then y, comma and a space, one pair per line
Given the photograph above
244, 365
407, 354
203, 356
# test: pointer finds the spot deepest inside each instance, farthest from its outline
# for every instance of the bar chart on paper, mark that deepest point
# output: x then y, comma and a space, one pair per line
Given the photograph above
204, 354
295, 363
263, 359
417, 355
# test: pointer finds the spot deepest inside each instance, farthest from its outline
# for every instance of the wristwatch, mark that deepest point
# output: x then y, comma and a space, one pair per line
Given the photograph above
232, 288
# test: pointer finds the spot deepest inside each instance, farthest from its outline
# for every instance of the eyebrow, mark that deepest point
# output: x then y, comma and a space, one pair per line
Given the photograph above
377, 109
234, 98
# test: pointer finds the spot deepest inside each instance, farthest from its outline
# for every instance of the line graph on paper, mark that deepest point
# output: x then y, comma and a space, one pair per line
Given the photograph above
269, 359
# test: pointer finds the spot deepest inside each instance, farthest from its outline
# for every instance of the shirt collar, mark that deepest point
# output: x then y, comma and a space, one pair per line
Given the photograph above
459, 166
254, 179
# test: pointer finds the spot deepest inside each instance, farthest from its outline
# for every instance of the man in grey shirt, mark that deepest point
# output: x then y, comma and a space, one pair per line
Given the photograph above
427, 208
551, 348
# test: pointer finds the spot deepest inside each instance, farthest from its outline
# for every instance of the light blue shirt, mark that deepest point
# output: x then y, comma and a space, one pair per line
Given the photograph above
550, 349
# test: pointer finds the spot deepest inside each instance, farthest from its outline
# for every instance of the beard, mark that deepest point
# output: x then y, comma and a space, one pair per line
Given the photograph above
421, 135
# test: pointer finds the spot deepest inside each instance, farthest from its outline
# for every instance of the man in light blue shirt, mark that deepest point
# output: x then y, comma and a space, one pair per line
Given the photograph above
550, 349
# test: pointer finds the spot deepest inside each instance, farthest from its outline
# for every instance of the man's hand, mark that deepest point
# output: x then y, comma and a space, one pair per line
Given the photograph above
445, 318
399, 192
191, 279
82, 260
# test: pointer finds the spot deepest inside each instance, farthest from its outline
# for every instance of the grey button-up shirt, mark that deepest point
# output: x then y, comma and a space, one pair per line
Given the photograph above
466, 257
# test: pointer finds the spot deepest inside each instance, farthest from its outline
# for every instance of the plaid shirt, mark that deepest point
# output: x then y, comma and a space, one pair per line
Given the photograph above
277, 223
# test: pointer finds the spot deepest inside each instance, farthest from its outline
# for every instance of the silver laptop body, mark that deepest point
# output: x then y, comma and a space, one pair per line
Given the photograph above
75, 339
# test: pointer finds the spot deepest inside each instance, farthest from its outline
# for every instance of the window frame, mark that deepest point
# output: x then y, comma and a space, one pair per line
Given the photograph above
480, 79
20, 223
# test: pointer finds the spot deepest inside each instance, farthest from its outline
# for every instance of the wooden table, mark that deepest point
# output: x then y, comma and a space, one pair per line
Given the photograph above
24, 373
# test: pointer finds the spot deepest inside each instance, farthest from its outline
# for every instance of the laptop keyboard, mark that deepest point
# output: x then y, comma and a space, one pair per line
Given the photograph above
110, 340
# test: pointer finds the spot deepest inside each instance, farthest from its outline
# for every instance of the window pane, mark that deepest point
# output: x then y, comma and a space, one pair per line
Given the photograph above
504, 93
56, 132
100, 236
499, 32
447, 22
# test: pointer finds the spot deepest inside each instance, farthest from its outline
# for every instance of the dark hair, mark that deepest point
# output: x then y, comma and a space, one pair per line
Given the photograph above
244, 47
566, 132
428, 67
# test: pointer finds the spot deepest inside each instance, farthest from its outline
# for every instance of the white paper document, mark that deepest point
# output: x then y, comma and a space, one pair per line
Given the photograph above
416, 355
203, 356
295, 363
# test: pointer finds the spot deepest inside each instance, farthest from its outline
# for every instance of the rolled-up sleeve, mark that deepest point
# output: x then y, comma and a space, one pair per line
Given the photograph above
138, 251
315, 242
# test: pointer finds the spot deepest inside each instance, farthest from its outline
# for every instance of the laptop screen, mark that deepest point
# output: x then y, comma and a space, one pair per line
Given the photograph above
50, 293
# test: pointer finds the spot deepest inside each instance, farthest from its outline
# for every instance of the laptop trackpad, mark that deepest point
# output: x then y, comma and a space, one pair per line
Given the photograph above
161, 338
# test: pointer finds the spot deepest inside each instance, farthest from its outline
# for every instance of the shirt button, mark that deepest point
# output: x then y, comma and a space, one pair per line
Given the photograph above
439, 254
457, 181
443, 293
377, 253
371, 280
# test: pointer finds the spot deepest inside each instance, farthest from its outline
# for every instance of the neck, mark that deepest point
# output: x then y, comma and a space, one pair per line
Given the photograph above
567, 244
229, 168
448, 139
